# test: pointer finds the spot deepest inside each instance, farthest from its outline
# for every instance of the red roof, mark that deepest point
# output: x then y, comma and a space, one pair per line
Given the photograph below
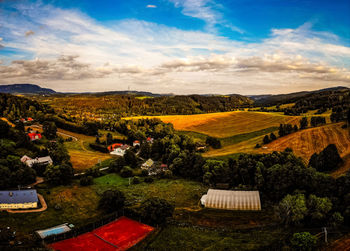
29, 119
34, 136
136, 141
114, 146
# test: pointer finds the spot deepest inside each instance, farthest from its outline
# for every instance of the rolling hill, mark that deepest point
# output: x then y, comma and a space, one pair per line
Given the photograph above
306, 142
25, 89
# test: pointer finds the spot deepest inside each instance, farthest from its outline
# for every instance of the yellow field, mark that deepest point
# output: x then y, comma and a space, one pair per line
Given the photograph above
226, 124
306, 142
7, 121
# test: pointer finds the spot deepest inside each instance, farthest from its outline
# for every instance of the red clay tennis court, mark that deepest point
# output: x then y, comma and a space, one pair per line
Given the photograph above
120, 234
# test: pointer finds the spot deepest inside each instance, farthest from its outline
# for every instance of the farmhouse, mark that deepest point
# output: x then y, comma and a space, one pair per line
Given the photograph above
231, 200
114, 146
120, 151
148, 164
150, 140
136, 143
39, 161
18, 199
34, 136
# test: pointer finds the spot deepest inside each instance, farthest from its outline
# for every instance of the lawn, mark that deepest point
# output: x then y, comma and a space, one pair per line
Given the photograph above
180, 192
194, 238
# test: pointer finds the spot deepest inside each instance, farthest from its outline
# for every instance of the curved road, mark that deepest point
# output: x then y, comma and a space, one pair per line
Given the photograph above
58, 132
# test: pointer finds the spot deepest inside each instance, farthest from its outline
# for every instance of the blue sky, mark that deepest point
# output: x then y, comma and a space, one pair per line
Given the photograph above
180, 46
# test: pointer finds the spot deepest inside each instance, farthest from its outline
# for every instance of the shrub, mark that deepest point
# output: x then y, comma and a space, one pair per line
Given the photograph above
112, 200
126, 172
136, 180
86, 181
148, 180
303, 241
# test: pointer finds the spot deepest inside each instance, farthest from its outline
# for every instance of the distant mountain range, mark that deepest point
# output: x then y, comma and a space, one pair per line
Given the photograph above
290, 97
25, 89
267, 99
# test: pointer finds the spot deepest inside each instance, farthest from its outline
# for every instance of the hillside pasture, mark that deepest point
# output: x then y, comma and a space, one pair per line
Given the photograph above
226, 124
306, 142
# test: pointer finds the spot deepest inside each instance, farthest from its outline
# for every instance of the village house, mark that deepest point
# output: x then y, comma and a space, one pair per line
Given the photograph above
136, 143
18, 199
34, 136
120, 151
114, 146
148, 164
37, 161
150, 140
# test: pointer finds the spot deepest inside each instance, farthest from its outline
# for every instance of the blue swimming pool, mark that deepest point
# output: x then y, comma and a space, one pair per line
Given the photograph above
51, 231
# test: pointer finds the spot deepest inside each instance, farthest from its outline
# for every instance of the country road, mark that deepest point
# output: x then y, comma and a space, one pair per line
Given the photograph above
58, 132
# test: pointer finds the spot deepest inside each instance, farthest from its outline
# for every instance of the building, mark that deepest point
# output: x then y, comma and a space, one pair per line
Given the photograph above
25, 158
34, 136
60, 229
118, 151
231, 200
18, 199
148, 164
150, 140
136, 143
114, 146
39, 161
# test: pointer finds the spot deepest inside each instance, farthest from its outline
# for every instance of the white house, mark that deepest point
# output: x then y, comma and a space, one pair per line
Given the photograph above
148, 164
118, 151
18, 199
40, 161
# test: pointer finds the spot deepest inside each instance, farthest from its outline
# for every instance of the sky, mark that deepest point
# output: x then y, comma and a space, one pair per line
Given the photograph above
176, 46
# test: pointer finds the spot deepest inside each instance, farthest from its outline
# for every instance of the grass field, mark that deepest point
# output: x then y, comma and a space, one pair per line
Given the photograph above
189, 238
226, 124
306, 142
180, 192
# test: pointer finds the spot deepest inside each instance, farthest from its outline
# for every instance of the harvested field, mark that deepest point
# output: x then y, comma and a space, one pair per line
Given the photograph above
226, 124
306, 142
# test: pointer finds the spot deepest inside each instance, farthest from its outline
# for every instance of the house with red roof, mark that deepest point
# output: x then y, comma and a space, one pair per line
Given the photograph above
136, 143
34, 136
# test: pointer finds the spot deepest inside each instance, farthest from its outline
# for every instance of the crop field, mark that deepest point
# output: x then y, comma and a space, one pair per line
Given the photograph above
306, 142
226, 124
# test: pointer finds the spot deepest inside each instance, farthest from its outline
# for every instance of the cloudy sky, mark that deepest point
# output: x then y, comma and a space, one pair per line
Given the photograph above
176, 46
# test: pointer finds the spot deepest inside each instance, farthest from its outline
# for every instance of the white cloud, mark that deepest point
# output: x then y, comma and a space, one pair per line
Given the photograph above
151, 6
165, 59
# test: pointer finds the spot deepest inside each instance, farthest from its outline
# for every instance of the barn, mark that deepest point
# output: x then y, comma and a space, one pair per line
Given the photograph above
231, 200
18, 199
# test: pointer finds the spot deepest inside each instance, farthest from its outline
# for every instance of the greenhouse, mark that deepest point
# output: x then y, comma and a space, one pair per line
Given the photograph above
231, 200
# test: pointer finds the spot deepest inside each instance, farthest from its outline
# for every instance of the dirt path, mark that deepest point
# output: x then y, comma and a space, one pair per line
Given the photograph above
341, 244
43, 207
58, 132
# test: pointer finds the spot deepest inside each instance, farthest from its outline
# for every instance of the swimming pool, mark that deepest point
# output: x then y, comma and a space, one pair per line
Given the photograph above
54, 230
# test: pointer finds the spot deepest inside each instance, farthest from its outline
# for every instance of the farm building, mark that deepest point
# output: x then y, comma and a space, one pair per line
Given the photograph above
120, 151
150, 140
231, 200
114, 146
148, 164
136, 143
34, 136
39, 161
18, 199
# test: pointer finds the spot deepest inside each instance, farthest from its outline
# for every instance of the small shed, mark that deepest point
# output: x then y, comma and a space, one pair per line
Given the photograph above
231, 200
148, 164
43, 161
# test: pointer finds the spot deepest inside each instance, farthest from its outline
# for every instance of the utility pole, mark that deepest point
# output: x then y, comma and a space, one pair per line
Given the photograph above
325, 234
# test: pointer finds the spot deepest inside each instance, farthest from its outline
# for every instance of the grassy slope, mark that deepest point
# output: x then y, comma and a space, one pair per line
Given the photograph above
306, 142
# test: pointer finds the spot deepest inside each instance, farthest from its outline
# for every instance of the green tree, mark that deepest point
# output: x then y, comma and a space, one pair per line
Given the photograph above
4, 129
49, 130
126, 172
303, 241
109, 138
292, 209
156, 210
112, 200
61, 174
130, 158
303, 123
266, 139
318, 207
5, 180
